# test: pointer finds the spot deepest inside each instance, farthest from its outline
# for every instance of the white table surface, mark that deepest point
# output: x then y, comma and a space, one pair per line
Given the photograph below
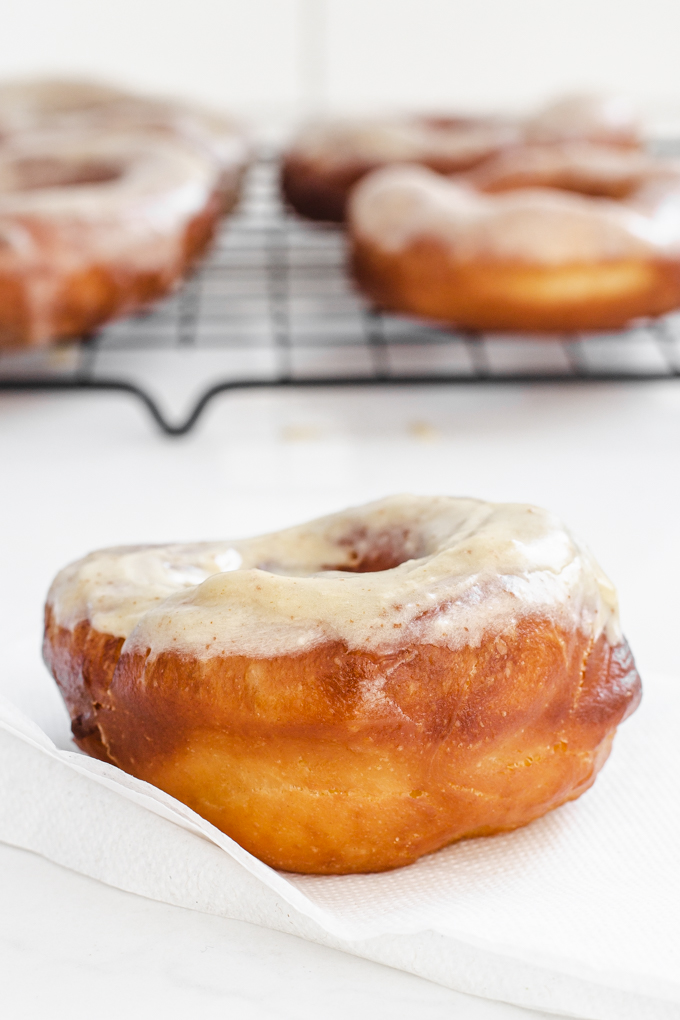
82, 471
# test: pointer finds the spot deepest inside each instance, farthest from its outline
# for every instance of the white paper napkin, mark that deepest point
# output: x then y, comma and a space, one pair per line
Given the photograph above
578, 913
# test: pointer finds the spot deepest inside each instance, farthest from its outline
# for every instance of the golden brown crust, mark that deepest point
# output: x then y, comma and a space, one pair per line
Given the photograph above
88, 299
82, 661
319, 194
335, 761
425, 280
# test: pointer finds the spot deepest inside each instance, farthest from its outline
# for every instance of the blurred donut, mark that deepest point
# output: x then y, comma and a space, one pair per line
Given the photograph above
538, 238
326, 160
106, 200
603, 120
94, 227
63, 107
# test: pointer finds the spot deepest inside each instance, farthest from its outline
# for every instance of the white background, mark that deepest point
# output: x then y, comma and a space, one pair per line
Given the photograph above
78, 472
269, 57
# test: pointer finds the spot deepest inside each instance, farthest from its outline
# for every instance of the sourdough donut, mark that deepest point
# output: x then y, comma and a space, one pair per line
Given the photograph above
603, 120
93, 227
326, 160
64, 107
351, 694
539, 238
597, 171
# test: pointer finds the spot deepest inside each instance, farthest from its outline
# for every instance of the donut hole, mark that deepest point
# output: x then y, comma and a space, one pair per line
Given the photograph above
37, 173
370, 552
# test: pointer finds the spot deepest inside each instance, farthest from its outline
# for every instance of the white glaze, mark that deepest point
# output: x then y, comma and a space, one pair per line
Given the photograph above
396, 206
401, 140
462, 140
591, 165
62, 107
600, 118
163, 176
474, 568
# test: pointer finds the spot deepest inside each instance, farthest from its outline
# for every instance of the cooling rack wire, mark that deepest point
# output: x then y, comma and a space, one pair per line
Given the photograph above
273, 306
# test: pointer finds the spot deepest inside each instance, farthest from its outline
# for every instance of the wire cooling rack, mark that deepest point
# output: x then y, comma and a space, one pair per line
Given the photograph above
273, 306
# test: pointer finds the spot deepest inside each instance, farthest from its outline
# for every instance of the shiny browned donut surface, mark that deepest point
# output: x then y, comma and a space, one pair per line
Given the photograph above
492, 295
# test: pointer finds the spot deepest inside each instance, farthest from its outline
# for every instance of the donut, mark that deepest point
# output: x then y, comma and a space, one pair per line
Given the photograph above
106, 201
348, 695
96, 227
326, 160
59, 106
588, 169
603, 120
537, 239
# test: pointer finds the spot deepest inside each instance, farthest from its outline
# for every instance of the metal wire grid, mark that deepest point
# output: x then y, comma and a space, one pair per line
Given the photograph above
274, 306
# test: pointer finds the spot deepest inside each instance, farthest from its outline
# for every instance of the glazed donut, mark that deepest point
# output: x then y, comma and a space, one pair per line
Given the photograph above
603, 120
594, 170
525, 241
351, 694
92, 227
59, 107
326, 160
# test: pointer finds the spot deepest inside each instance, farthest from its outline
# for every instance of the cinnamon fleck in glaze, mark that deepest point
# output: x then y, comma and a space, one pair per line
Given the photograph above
350, 694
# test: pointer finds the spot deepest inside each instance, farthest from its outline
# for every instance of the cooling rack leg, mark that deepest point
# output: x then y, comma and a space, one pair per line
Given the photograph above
184, 427
115, 386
